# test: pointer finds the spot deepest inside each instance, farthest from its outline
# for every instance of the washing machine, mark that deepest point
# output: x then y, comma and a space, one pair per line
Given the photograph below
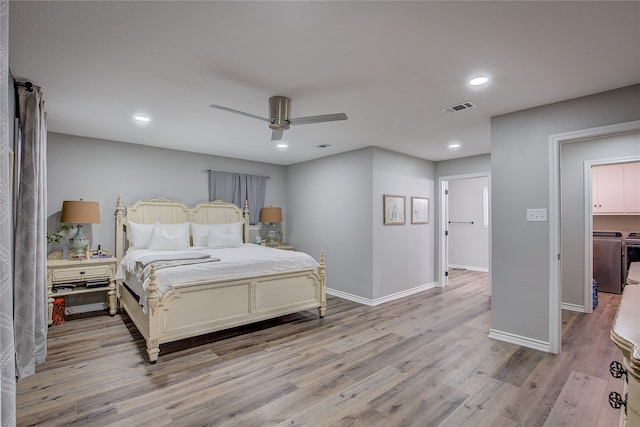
632, 249
608, 266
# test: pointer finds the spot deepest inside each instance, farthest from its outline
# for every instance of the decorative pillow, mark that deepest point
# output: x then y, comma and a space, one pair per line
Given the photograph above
166, 237
200, 232
220, 239
139, 235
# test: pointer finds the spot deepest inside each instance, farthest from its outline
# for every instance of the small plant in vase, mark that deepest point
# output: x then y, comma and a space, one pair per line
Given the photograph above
53, 239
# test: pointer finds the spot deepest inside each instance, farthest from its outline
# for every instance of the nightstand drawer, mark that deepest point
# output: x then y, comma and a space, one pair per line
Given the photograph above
79, 273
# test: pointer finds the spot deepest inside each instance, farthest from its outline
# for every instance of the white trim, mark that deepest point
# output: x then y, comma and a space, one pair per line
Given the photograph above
85, 308
442, 250
349, 297
574, 307
469, 267
519, 340
555, 279
588, 235
378, 301
485, 207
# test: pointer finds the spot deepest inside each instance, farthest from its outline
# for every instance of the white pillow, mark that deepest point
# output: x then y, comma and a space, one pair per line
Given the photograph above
200, 232
139, 235
221, 239
166, 237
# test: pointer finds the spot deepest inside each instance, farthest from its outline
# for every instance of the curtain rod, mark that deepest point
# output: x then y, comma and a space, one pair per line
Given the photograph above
27, 85
211, 170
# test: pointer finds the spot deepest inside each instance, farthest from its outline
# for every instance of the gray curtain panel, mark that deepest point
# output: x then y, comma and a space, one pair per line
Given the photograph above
30, 278
236, 188
7, 355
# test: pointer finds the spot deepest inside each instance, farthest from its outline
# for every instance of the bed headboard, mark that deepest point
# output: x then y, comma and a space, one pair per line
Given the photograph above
167, 211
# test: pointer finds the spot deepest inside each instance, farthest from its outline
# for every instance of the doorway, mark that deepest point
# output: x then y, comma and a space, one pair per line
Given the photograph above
561, 221
465, 240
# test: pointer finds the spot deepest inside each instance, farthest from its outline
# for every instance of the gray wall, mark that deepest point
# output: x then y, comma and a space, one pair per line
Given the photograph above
520, 180
403, 255
573, 156
468, 243
100, 170
337, 206
330, 200
327, 203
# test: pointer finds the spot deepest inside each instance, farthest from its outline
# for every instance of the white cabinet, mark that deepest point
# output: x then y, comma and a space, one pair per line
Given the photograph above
616, 189
631, 185
608, 195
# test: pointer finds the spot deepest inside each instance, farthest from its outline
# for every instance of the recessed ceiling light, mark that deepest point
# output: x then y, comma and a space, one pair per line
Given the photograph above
454, 146
477, 81
141, 119
282, 145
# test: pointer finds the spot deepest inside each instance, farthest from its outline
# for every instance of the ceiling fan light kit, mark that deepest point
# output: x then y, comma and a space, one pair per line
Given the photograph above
279, 112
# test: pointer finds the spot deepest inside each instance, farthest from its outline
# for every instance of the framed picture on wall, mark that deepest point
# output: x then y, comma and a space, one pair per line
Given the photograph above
419, 210
394, 209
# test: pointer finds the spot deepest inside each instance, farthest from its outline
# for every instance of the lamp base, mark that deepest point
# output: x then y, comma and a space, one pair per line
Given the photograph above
272, 234
78, 243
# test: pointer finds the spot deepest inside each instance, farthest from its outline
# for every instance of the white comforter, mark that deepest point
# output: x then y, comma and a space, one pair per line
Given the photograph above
247, 260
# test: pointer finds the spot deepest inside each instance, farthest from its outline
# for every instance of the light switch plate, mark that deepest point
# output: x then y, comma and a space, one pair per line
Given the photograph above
537, 214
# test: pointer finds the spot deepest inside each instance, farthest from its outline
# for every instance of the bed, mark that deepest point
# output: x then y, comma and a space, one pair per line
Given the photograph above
180, 301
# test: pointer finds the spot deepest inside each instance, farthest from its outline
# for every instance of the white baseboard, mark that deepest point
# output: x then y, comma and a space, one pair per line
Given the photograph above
378, 301
469, 267
350, 297
573, 307
520, 340
85, 308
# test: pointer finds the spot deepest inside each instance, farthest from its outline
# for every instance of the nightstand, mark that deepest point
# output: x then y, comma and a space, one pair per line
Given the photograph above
283, 247
70, 277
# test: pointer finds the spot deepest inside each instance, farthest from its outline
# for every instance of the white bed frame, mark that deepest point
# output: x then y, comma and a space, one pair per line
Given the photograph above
196, 308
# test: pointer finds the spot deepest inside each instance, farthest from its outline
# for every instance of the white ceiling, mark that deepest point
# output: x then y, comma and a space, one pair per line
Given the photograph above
390, 66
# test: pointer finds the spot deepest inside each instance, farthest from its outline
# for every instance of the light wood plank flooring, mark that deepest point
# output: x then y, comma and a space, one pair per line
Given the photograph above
424, 360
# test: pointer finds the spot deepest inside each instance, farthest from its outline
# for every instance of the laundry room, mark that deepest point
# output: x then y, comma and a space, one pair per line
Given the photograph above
599, 192
616, 223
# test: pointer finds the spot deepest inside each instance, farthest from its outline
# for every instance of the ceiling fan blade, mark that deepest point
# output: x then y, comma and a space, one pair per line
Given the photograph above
231, 110
318, 119
276, 135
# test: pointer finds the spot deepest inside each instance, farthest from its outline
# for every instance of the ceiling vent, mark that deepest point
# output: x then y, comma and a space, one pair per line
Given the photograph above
459, 107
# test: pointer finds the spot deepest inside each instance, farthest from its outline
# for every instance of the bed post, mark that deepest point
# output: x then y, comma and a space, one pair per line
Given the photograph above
153, 346
245, 220
119, 230
323, 285
119, 243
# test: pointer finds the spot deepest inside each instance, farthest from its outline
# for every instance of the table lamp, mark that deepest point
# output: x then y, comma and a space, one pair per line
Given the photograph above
271, 216
80, 212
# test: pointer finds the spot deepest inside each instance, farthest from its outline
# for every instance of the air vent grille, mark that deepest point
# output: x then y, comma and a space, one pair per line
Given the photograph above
459, 107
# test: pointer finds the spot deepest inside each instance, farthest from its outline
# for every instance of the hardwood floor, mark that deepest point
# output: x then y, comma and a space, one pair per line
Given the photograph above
424, 360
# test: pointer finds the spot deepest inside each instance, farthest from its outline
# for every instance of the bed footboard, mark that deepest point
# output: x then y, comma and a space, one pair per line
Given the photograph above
197, 308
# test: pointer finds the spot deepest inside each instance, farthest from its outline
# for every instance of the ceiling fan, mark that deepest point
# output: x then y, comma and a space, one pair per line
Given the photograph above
279, 120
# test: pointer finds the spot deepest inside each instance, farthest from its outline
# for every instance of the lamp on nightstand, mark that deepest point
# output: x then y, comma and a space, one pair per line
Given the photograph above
271, 216
80, 212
